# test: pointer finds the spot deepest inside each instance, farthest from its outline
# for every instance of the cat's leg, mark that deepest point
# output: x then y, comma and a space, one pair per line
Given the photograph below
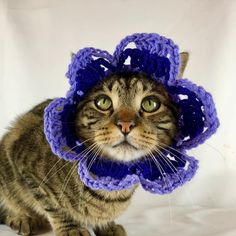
111, 229
23, 224
47, 203
15, 213
2, 212
15, 201
20, 218
28, 223
63, 225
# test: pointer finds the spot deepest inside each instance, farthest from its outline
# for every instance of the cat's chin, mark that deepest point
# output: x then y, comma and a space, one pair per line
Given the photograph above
124, 153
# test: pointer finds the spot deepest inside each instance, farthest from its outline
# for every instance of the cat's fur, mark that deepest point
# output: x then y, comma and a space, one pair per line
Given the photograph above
37, 187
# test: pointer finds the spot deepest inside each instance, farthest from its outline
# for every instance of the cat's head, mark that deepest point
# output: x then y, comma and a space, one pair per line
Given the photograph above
126, 117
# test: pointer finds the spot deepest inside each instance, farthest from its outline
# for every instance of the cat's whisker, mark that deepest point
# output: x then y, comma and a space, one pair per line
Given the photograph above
157, 164
172, 148
162, 171
60, 160
160, 168
175, 156
167, 161
45, 179
77, 145
217, 150
96, 153
93, 159
187, 191
86, 149
50, 171
86, 140
149, 162
169, 199
88, 152
171, 166
167, 149
67, 179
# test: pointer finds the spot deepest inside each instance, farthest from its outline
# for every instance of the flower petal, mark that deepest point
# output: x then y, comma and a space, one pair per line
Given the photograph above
155, 44
159, 58
106, 183
198, 118
170, 181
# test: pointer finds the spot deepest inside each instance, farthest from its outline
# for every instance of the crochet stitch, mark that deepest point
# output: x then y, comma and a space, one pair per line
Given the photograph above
158, 57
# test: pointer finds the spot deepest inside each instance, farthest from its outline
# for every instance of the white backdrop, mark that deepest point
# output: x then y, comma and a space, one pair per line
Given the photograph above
36, 39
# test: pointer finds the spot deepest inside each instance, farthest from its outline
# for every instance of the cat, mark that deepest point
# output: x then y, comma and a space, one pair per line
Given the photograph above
125, 117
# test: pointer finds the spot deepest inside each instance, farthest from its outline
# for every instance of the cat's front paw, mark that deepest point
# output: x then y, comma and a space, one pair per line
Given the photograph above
24, 225
112, 230
74, 232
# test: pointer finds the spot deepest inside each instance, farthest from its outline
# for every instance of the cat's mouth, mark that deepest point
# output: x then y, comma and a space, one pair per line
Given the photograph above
125, 144
123, 150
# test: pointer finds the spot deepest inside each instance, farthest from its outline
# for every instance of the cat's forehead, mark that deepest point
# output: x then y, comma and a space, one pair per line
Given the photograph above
128, 85
128, 89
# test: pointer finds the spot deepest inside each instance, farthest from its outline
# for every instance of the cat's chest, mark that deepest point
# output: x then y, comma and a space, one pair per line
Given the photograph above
94, 206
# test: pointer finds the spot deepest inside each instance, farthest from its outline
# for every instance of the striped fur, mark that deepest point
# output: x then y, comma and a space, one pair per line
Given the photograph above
36, 187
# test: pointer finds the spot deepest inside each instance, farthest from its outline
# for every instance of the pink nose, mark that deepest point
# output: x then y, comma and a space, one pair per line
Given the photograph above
125, 126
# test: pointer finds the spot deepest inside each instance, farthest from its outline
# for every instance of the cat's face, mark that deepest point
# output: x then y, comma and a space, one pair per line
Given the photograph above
125, 118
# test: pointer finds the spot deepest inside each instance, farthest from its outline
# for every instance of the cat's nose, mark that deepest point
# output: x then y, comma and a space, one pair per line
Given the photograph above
125, 126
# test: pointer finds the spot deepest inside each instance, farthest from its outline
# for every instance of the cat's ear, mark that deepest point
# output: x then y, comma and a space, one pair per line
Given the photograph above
184, 56
72, 55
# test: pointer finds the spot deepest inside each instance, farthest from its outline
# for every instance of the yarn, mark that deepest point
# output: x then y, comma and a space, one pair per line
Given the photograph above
157, 57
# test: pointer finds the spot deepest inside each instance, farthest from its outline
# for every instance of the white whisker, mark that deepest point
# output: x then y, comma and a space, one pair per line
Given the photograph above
67, 179
46, 178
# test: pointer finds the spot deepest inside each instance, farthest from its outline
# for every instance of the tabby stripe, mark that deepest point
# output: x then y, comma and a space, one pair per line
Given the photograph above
110, 86
51, 210
38, 196
173, 110
164, 121
102, 198
142, 135
91, 117
83, 200
67, 220
69, 226
162, 128
91, 123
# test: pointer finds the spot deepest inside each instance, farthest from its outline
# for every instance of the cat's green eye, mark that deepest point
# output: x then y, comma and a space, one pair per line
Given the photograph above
150, 104
103, 102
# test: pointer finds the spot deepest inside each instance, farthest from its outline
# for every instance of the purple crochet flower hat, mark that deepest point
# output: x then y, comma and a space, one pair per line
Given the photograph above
158, 57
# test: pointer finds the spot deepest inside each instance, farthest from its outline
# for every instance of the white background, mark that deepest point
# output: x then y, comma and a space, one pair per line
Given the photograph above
36, 39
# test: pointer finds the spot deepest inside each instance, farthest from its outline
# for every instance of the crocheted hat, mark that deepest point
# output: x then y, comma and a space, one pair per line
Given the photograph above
158, 57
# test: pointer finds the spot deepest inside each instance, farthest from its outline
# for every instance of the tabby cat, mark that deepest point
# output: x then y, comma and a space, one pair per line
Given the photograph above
125, 117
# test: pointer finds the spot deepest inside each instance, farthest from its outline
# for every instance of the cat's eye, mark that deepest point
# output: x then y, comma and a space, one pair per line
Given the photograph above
150, 104
103, 102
